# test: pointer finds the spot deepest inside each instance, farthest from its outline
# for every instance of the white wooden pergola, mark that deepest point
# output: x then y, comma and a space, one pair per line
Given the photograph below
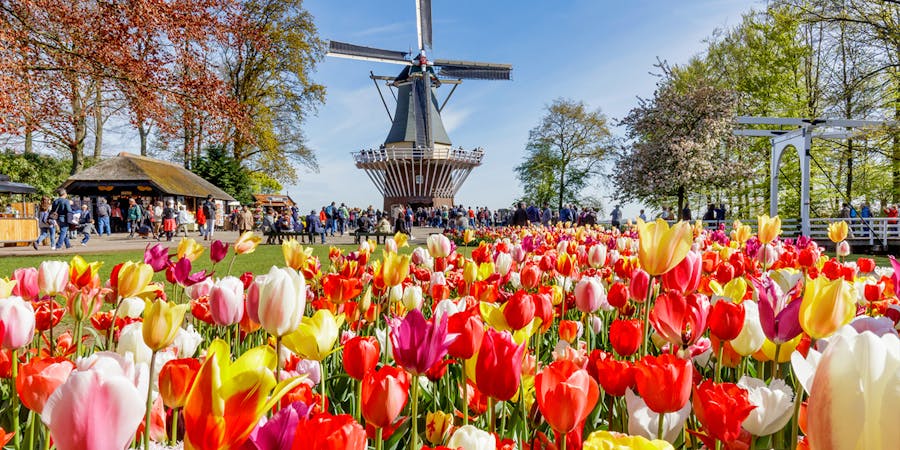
800, 139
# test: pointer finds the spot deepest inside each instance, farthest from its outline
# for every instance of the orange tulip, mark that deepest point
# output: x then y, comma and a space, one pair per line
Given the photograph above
660, 248
340, 289
39, 378
175, 381
247, 243
565, 394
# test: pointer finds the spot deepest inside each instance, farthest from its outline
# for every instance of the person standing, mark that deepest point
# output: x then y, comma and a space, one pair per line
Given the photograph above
182, 220
201, 222
246, 221
314, 226
209, 210
520, 216
61, 211
892, 212
169, 224
85, 224
104, 211
134, 217
546, 215
46, 225
686, 212
616, 217
642, 216
156, 218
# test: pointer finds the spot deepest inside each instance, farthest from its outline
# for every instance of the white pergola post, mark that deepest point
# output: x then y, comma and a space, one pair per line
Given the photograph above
801, 141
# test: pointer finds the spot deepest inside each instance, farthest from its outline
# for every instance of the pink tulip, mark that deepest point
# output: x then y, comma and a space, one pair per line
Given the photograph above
53, 276
156, 257
597, 255
282, 300
94, 409
685, 277
418, 344
26, 283
16, 323
226, 301
590, 295
217, 251
678, 319
199, 290
438, 246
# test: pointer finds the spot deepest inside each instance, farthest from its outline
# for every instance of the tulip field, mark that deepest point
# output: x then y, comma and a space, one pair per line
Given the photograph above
652, 337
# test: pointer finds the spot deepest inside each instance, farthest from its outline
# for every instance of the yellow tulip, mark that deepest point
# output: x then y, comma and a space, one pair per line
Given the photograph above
190, 249
161, 323
470, 271
78, 268
767, 351
485, 270
468, 235
838, 231
401, 239
247, 243
227, 399
316, 335
437, 426
605, 440
133, 279
741, 233
827, 305
295, 255
395, 268
769, 228
6, 287
661, 248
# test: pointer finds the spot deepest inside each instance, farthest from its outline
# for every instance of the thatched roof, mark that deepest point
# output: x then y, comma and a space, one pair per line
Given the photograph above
168, 178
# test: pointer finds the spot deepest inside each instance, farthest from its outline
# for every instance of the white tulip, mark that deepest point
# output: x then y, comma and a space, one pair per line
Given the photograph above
774, 405
751, 337
644, 422
470, 438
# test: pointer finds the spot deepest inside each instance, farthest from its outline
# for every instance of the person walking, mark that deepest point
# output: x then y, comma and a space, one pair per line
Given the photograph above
45, 224
686, 212
85, 224
314, 226
892, 212
209, 210
201, 222
520, 216
182, 219
400, 224
104, 212
616, 217
169, 222
134, 217
246, 220
61, 212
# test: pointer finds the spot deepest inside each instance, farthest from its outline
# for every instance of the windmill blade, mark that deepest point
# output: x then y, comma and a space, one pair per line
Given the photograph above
423, 23
351, 51
473, 70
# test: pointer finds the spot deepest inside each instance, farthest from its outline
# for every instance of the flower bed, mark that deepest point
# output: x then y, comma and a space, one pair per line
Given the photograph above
657, 337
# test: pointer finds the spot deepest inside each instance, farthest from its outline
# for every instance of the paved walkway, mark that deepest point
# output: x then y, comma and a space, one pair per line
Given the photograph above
121, 242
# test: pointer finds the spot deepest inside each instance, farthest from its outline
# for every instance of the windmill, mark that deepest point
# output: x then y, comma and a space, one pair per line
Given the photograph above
417, 164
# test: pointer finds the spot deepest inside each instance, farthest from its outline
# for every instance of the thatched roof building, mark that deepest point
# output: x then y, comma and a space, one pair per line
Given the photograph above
134, 175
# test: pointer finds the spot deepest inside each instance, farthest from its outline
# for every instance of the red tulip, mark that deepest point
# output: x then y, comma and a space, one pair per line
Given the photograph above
519, 310
566, 394
470, 330
530, 276
175, 381
724, 273
807, 257
617, 295
664, 382
217, 251
568, 330
614, 376
678, 319
865, 265
498, 369
721, 408
626, 336
685, 277
360, 356
383, 395
327, 432
340, 289
38, 379
26, 283
726, 319
543, 309
639, 285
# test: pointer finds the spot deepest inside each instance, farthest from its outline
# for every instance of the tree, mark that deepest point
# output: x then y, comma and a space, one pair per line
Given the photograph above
261, 183
45, 173
222, 170
564, 152
678, 140
53, 55
271, 79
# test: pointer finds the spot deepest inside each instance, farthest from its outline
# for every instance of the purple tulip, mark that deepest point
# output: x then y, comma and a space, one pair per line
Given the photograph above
179, 271
278, 432
418, 344
157, 257
895, 277
217, 251
197, 277
780, 319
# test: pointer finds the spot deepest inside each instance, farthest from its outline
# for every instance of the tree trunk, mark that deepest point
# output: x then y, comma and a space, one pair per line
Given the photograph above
76, 145
29, 141
98, 124
849, 187
142, 133
681, 194
562, 187
895, 151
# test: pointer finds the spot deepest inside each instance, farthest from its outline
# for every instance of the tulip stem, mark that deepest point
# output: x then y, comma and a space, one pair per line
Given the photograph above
646, 337
174, 436
324, 370
524, 415
15, 396
231, 264
278, 359
357, 412
795, 427
562, 441
149, 403
414, 416
775, 367
379, 442
112, 326
719, 361
491, 418
32, 418
465, 395
659, 426
50, 346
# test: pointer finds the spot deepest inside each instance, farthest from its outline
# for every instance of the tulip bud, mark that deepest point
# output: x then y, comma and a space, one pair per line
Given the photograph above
53, 276
470, 272
437, 426
639, 285
360, 356
161, 323
569, 330
420, 256
412, 297
390, 245
438, 246
471, 438
395, 293
226, 301
530, 276
16, 323
503, 263
282, 300
843, 249
519, 310
175, 381
597, 255
767, 255
626, 336
617, 296
590, 295
726, 319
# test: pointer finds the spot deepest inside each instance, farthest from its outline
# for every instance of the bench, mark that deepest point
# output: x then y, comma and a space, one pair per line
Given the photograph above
380, 237
274, 235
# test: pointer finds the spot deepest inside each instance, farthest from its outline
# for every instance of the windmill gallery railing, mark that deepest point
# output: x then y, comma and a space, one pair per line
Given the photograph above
869, 231
413, 174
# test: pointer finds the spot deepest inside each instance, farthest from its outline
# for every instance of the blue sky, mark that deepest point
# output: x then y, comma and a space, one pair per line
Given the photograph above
601, 52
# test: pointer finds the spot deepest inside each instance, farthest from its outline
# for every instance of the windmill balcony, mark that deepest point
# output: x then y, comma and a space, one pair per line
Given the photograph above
460, 156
